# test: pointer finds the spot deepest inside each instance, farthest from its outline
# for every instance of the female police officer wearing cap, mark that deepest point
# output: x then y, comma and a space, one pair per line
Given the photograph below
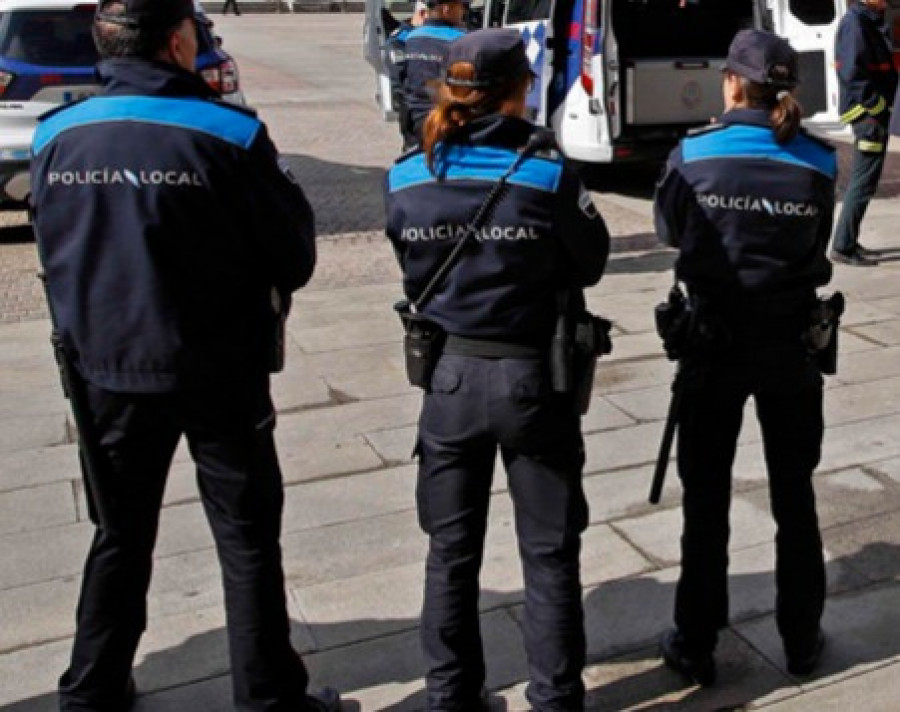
748, 203
491, 386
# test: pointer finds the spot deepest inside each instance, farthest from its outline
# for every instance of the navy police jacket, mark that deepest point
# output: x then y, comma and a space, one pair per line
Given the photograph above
163, 222
427, 48
545, 234
864, 61
751, 218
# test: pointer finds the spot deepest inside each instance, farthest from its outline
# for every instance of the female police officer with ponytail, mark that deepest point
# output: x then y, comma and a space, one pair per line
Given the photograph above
491, 386
748, 202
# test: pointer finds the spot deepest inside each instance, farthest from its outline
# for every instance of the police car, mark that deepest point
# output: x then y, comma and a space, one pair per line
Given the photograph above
47, 58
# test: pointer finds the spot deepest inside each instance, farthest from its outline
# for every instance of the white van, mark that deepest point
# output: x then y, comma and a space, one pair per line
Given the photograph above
625, 79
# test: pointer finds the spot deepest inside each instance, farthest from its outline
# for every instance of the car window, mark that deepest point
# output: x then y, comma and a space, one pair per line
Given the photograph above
50, 38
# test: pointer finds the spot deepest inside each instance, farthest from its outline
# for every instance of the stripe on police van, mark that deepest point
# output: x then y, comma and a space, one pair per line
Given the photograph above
195, 114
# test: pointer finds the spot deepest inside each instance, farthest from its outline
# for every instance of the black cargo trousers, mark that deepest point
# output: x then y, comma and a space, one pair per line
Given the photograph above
229, 432
475, 406
770, 363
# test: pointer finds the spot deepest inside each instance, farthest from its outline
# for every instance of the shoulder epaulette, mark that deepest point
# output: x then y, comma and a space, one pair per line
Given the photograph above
707, 128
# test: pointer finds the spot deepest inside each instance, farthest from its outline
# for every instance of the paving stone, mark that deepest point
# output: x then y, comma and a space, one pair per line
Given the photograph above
37, 508
377, 328
625, 447
295, 388
870, 546
623, 494
35, 556
869, 365
885, 333
38, 613
889, 468
208, 695
387, 673
30, 674
640, 681
615, 377
875, 692
352, 548
658, 534
346, 499
382, 382
863, 630
862, 401
395, 445
30, 432
602, 415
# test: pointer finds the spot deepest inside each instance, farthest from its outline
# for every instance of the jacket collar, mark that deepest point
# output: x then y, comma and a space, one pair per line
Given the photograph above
121, 76
754, 117
497, 130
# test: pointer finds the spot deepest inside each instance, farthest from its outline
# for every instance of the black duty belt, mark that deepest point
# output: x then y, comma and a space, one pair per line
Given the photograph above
486, 348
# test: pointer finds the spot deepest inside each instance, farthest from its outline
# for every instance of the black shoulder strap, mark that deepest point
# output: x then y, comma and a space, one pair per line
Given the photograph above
539, 140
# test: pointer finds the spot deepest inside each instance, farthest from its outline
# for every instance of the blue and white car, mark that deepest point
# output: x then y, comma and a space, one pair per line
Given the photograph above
47, 58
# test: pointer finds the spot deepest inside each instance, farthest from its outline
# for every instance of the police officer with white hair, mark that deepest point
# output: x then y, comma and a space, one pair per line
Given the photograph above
171, 241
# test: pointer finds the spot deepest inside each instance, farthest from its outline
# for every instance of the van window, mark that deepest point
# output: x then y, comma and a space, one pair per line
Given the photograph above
49, 38
813, 12
527, 11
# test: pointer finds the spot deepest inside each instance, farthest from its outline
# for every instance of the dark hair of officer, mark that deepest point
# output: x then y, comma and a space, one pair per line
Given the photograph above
468, 93
121, 31
766, 69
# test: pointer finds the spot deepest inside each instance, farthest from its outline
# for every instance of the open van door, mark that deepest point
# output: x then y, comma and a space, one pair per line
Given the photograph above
531, 18
383, 17
810, 26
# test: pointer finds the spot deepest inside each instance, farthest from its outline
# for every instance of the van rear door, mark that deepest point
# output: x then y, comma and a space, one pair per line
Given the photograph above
532, 19
810, 26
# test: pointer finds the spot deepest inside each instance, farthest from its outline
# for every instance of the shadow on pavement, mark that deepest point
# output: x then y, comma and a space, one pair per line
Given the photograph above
345, 198
17, 233
623, 674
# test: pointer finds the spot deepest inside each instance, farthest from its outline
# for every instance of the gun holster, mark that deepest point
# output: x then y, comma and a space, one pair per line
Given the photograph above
422, 344
821, 337
578, 341
673, 323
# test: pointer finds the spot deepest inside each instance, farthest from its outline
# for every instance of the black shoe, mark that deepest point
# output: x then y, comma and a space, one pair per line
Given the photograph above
325, 700
698, 668
855, 258
805, 664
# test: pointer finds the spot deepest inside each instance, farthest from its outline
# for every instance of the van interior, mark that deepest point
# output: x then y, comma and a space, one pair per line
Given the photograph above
678, 28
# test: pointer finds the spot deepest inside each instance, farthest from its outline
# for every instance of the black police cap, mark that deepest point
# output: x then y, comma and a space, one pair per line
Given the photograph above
435, 3
147, 13
763, 58
497, 55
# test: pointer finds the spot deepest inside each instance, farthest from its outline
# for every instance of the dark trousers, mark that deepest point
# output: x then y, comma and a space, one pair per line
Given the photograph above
230, 436
231, 4
477, 405
787, 389
864, 177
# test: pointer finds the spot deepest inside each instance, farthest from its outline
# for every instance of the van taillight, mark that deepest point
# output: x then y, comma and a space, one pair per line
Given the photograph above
223, 77
5, 80
589, 32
